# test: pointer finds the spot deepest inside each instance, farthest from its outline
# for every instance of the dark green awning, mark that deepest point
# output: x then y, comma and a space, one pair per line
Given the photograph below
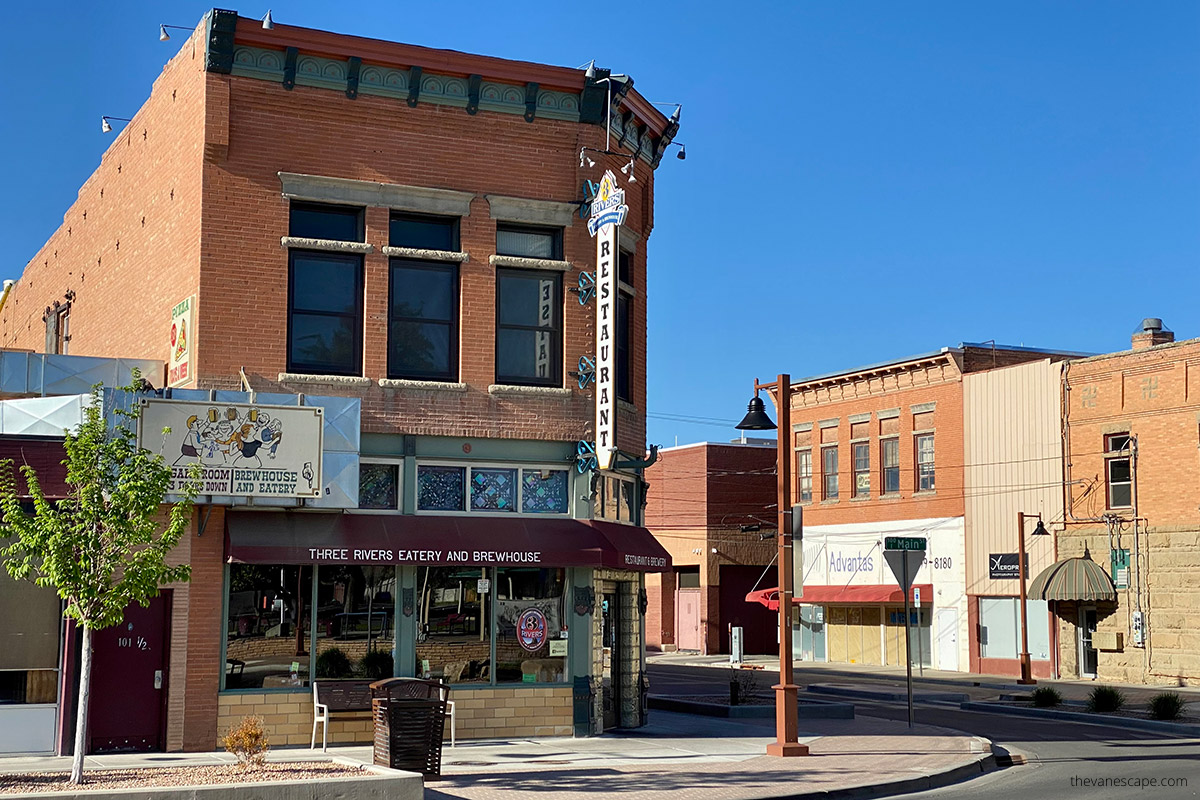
1074, 579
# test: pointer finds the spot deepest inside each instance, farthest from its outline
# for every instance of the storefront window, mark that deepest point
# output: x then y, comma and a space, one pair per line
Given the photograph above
493, 489
267, 628
544, 491
355, 633
454, 635
531, 643
29, 639
378, 486
441, 488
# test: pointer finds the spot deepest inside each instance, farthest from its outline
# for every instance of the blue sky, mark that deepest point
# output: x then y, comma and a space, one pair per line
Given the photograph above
864, 180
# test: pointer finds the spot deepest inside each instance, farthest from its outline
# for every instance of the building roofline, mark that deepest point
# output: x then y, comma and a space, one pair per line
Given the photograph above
691, 445
1131, 351
454, 62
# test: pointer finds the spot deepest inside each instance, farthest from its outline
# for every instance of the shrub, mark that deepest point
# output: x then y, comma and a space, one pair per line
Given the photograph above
334, 663
1166, 705
1046, 697
376, 665
1105, 699
248, 741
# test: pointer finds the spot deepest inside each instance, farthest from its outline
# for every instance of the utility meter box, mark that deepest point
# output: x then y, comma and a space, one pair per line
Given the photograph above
736, 649
1108, 640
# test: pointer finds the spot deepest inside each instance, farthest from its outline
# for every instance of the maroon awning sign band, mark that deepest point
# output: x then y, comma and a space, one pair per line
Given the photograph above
272, 537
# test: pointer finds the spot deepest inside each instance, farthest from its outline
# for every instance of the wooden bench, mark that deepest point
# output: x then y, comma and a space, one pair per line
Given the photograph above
332, 695
352, 695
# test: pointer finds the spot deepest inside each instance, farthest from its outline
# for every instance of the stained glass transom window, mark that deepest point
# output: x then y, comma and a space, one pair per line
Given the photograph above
544, 492
378, 485
494, 489
441, 488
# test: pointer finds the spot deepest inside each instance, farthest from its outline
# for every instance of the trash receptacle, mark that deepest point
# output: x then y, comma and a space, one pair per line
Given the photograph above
409, 716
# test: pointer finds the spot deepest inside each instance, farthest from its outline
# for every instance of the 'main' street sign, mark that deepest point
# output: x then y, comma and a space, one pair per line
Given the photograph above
904, 543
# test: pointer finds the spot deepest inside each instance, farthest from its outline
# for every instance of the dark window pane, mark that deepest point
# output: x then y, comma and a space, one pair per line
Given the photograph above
625, 267
426, 233
424, 293
325, 283
1120, 496
1118, 470
419, 349
527, 243
527, 300
341, 223
624, 362
267, 630
525, 354
324, 341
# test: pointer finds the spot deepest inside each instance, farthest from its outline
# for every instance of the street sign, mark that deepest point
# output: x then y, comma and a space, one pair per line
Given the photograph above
916, 595
905, 564
905, 543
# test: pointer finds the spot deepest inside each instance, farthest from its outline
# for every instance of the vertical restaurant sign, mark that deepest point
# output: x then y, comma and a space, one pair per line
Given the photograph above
244, 450
183, 343
608, 214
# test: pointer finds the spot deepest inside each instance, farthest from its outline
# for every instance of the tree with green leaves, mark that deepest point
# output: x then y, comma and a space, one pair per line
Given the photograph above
105, 544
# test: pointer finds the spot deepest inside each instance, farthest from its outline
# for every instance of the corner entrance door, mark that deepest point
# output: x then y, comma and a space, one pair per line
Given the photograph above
610, 601
1088, 657
129, 680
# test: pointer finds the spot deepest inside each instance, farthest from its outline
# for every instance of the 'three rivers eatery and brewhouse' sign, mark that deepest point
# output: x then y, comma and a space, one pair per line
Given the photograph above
243, 450
608, 214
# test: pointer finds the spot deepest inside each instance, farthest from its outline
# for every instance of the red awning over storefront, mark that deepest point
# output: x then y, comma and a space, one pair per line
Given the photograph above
270, 537
839, 595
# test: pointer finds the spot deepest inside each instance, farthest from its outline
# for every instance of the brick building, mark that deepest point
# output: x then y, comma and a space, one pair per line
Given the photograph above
707, 504
882, 450
390, 235
1130, 426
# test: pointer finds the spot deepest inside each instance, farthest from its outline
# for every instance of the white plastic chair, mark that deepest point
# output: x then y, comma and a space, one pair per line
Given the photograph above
321, 715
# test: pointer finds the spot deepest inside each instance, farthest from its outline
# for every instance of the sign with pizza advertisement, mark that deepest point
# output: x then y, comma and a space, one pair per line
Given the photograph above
183, 343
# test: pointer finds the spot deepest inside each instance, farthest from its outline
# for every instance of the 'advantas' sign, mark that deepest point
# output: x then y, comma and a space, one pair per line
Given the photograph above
243, 450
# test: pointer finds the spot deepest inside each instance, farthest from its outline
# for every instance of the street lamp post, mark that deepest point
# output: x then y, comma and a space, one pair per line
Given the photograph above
787, 726
1040, 530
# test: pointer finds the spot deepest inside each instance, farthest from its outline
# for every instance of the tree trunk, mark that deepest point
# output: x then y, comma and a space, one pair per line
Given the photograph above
81, 714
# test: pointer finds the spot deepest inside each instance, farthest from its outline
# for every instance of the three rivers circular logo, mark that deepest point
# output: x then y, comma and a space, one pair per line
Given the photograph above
531, 629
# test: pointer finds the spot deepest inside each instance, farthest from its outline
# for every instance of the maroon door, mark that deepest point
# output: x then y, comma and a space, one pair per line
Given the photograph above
129, 680
760, 626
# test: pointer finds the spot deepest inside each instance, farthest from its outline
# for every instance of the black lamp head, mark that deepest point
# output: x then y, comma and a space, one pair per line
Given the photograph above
756, 418
1040, 530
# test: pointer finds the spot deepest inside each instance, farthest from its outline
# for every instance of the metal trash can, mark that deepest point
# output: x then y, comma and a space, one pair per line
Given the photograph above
409, 716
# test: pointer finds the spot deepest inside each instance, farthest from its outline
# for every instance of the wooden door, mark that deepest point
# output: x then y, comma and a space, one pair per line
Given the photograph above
836, 629
687, 619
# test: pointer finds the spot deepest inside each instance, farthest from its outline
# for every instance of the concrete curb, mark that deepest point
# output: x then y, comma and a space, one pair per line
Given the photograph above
921, 783
808, 709
1155, 726
392, 785
889, 696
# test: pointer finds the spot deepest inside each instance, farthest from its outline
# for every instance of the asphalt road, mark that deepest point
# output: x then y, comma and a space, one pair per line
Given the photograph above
1062, 756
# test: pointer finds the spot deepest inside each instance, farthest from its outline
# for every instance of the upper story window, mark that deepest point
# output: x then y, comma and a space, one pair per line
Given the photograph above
528, 327
923, 445
318, 221
1118, 470
829, 473
527, 242
325, 292
615, 499
804, 473
889, 452
624, 360
423, 320
58, 328
862, 469
423, 232
492, 489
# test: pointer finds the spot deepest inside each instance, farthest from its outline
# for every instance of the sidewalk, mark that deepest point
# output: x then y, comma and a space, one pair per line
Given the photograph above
977, 686
679, 756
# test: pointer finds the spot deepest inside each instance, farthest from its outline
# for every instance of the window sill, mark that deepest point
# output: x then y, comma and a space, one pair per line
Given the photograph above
890, 496
424, 386
833, 502
533, 391
427, 255
518, 262
926, 493
860, 499
331, 380
625, 405
329, 245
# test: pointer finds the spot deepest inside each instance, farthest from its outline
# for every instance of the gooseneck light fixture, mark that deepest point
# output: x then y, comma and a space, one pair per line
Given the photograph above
163, 36
106, 128
268, 23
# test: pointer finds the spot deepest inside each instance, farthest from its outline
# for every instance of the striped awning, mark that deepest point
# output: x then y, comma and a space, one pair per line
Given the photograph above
1077, 579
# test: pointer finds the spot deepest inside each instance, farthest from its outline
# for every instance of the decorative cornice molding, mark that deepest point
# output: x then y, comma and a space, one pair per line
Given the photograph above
330, 245
517, 262
424, 386
532, 391
533, 212
426, 255
421, 199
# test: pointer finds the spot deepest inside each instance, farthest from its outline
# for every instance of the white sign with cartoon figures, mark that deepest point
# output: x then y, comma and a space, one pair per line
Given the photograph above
183, 343
243, 450
608, 215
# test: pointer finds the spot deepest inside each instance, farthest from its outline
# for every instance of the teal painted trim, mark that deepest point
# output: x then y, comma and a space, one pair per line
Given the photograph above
581, 494
579, 629
524, 451
328, 73
385, 445
405, 665
224, 625
408, 476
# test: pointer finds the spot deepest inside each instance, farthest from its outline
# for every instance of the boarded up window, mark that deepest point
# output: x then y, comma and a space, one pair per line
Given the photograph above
860, 430
804, 438
829, 435
923, 421
889, 426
